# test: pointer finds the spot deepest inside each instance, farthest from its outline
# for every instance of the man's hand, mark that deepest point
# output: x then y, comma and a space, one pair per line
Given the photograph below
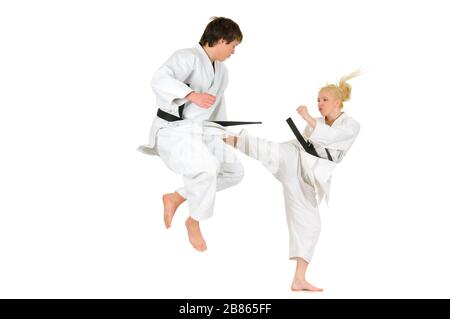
303, 111
204, 100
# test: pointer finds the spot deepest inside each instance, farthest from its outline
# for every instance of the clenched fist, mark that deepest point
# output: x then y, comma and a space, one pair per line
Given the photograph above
303, 111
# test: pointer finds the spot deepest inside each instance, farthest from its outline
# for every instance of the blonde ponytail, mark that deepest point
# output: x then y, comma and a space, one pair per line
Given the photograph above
343, 90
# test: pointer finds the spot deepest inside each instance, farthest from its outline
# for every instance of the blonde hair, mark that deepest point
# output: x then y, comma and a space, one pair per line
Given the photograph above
343, 90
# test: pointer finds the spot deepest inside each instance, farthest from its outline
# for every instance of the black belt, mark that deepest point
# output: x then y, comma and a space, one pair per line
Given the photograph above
172, 118
307, 146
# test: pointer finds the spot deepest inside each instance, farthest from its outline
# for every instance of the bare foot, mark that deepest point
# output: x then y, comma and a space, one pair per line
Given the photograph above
171, 202
230, 140
299, 285
195, 236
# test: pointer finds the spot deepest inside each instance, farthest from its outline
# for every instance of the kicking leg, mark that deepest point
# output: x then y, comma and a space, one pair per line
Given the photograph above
230, 171
265, 151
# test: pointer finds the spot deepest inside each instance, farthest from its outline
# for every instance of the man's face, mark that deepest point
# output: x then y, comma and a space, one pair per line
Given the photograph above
224, 50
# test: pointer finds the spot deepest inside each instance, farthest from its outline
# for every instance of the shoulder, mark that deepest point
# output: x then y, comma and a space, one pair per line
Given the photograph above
351, 123
188, 54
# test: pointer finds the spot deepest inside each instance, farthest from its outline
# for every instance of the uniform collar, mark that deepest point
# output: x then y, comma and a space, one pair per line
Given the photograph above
336, 121
205, 57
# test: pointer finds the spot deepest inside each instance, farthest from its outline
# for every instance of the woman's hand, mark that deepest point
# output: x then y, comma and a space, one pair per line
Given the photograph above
303, 111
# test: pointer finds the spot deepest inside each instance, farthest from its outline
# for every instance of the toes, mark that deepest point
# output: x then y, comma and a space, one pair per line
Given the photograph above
168, 219
168, 215
305, 287
167, 222
200, 246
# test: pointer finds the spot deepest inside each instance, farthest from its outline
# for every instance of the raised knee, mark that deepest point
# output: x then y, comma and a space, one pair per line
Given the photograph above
211, 168
205, 170
211, 172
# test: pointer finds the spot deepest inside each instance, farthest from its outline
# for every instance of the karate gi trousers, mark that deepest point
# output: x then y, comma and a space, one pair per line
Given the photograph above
207, 164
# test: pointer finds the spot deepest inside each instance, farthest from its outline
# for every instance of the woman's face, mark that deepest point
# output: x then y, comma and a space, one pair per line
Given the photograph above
327, 103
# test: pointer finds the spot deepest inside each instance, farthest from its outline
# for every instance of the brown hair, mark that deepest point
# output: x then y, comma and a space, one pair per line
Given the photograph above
220, 28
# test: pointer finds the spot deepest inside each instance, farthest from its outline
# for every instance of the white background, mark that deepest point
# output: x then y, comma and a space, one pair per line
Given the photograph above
81, 210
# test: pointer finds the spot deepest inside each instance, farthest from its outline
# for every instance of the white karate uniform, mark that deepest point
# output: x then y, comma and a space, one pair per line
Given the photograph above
193, 147
305, 178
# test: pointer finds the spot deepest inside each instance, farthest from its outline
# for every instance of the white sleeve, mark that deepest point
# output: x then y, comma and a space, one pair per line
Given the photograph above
168, 82
338, 138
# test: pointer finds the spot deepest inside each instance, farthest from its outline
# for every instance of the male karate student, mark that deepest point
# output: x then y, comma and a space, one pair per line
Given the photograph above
190, 85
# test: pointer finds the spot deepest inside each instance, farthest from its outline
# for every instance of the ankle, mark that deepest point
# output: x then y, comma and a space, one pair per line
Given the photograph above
299, 279
192, 222
178, 198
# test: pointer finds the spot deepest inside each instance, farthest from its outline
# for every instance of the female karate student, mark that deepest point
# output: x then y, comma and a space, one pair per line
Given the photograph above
305, 177
189, 89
